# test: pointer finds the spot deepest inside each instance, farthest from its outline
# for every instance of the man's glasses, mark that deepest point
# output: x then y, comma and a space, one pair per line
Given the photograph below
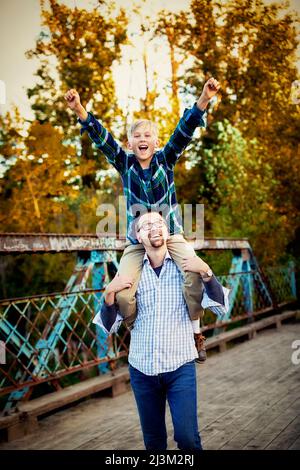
146, 226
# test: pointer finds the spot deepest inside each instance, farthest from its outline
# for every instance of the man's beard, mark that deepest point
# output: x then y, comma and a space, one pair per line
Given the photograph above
157, 243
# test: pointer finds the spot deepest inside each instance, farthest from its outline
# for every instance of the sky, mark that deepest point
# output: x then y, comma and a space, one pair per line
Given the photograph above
20, 25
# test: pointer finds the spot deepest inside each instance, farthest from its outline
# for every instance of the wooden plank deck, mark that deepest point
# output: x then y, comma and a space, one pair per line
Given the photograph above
248, 398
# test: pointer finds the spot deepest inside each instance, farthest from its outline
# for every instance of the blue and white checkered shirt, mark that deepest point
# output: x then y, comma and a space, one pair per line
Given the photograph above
162, 338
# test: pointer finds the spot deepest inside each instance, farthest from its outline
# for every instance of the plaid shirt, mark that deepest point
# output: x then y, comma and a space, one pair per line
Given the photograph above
157, 193
162, 338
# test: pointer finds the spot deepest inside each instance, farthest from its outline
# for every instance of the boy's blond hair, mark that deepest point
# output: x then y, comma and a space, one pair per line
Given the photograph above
140, 122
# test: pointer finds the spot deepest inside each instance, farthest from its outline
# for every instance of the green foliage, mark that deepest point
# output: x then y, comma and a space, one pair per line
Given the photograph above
246, 173
242, 186
25, 275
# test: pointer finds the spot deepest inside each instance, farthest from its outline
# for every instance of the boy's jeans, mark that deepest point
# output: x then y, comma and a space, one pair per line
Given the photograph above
131, 265
151, 393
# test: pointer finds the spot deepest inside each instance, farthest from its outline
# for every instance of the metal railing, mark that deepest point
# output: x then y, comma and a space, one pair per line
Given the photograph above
51, 342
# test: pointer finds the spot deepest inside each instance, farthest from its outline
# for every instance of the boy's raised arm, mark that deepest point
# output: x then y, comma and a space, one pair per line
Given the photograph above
191, 119
73, 99
97, 133
210, 89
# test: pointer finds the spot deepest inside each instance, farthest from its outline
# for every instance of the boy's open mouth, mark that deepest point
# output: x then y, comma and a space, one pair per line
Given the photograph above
143, 147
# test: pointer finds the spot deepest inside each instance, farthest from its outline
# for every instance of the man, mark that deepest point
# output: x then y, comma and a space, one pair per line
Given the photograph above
162, 350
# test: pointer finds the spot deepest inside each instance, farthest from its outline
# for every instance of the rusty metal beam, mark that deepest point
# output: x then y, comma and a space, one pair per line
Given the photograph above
13, 243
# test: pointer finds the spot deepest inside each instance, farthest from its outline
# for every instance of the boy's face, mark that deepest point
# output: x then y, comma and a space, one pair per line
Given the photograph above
143, 143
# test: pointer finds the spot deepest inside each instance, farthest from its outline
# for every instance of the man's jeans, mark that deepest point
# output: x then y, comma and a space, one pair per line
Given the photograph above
151, 393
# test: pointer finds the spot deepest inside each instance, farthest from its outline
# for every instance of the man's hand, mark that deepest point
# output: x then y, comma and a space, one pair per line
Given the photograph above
73, 99
116, 285
119, 283
196, 265
210, 89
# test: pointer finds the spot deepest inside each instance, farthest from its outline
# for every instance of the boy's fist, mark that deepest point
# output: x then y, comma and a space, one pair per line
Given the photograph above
73, 99
211, 88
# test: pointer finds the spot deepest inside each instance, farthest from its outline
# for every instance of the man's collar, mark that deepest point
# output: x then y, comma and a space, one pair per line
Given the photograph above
146, 258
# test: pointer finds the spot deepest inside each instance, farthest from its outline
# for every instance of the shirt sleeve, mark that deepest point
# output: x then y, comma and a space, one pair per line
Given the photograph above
108, 318
105, 142
216, 297
182, 136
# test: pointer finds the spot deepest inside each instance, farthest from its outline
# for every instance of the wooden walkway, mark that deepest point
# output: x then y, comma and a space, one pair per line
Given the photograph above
248, 398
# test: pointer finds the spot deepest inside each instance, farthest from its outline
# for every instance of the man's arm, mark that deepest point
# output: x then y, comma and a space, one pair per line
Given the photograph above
97, 133
109, 318
191, 119
216, 296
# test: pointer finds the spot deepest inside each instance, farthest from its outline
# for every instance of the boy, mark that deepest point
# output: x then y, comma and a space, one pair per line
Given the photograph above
148, 181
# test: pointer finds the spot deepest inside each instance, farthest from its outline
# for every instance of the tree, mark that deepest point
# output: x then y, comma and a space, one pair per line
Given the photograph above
236, 170
165, 117
83, 46
250, 47
39, 184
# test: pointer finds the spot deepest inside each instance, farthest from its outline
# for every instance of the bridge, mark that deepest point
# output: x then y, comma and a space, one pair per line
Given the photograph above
248, 398
55, 355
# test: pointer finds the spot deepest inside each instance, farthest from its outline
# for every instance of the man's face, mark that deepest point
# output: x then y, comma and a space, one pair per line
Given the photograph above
143, 142
152, 230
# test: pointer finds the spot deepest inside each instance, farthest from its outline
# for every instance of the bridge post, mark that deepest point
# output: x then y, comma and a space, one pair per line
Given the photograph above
100, 261
247, 282
293, 278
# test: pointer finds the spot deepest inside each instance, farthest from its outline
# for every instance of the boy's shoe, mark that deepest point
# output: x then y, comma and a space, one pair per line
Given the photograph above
199, 343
